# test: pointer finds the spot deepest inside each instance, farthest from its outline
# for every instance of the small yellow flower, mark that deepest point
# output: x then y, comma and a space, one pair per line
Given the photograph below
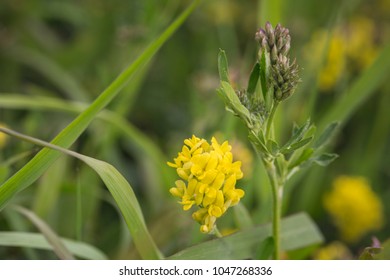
3, 136
354, 207
209, 176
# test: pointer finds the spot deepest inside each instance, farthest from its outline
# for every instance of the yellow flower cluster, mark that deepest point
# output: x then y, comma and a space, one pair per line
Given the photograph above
209, 177
354, 207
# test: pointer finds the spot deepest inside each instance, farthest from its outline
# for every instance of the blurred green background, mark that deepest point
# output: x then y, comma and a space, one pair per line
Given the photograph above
56, 56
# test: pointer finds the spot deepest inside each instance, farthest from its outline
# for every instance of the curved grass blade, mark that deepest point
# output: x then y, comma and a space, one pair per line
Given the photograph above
38, 241
119, 188
58, 247
140, 141
37, 166
298, 231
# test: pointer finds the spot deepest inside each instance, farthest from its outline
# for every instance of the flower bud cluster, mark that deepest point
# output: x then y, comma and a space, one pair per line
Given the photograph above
208, 178
284, 74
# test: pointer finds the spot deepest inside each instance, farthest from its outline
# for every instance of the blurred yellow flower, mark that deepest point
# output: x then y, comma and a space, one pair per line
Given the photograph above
333, 251
360, 48
348, 48
209, 177
3, 137
354, 207
331, 46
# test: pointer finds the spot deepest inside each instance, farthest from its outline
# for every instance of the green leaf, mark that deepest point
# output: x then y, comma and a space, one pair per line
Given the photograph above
142, 144
384, 254
39, 164
264, 76
233, 102
297, 231
242, 216
223, 67
266, 249
273, 147
326, 135
258, 142
296, 145
253, 78
325, 159
121, 191
38, 241
297, 134
369, 253
303, 157
58, 247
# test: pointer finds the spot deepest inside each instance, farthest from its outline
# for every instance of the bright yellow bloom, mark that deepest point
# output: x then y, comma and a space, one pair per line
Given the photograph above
3, 137
354, 207
209, 177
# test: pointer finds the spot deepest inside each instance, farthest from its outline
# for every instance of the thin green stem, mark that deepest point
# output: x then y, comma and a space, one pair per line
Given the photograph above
277, 195
217, 233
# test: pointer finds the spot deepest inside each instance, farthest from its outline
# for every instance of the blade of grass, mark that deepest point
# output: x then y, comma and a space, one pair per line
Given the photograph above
142, 144
58, 247
297, 231
119, 188
37, 166
38, 241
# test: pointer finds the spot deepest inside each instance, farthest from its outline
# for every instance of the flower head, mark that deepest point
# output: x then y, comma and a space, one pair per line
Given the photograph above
284, 74
354, 207
208, 178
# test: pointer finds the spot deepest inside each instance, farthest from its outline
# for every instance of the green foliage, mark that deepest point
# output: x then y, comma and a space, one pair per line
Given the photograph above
38, 241
57, 57
297, 231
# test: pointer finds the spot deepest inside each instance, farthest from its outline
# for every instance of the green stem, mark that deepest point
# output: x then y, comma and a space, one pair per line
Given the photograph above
277, 195
270, 119
217, 233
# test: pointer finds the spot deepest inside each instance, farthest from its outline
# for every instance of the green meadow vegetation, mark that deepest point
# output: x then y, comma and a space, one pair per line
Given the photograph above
98, 97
